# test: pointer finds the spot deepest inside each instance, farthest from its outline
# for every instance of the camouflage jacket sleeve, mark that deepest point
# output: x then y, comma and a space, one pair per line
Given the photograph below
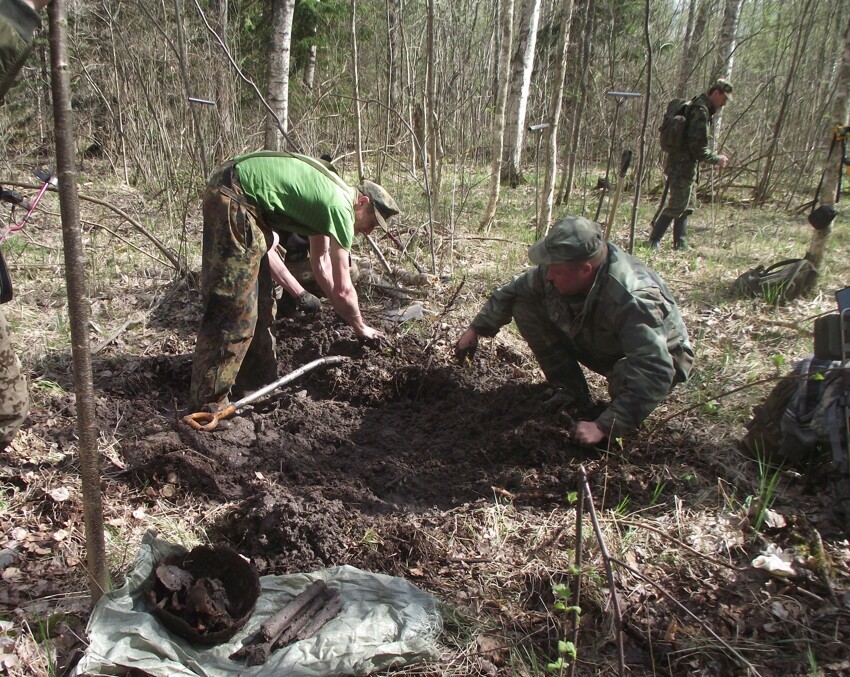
647, 370
498, 311
18, 22
698, 121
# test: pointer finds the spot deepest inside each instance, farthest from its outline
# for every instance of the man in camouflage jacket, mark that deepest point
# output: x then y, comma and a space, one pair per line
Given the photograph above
681, 167
587, 302
18, 21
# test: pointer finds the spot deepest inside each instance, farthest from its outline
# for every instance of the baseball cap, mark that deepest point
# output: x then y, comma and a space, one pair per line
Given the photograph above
383, 203
573, 238
724, 86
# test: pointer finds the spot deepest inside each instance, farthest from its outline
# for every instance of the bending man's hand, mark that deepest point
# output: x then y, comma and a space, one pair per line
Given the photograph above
37, 4
723, 162
368, 333
588, 433
466, 346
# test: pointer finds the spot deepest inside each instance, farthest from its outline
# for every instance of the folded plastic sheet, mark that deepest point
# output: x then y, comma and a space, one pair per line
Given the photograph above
385, 621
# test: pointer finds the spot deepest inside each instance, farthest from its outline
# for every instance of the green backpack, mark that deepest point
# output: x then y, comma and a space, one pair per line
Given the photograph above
673, 133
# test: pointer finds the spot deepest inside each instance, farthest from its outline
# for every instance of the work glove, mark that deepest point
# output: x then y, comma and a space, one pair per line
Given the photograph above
307, 303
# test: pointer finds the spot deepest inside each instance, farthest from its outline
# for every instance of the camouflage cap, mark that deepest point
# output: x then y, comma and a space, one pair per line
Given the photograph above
383, 203
573, 238
723, 86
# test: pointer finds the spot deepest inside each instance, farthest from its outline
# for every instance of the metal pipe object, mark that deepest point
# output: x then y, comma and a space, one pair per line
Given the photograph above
206, 420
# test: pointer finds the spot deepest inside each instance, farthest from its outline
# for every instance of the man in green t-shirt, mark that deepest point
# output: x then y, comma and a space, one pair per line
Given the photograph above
248, 202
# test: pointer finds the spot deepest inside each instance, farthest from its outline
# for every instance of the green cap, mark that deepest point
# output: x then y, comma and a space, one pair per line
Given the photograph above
382, 201
724, 86
573, 238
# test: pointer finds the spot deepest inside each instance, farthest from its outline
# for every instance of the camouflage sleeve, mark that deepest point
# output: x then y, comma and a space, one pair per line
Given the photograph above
18, 22
698, 136
646, 373
498, 311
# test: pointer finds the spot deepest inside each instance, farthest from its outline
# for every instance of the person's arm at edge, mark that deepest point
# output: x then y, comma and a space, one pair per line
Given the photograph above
19, 20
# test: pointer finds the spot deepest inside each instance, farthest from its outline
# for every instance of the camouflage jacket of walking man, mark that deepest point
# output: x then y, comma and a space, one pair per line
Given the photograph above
587, 302
681, 166
248, 202
18, 22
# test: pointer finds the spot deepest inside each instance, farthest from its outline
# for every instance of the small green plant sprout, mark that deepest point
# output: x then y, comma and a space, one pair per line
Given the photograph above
656, 493
622, 508
566, 650
759, 504
572, 497
778, 361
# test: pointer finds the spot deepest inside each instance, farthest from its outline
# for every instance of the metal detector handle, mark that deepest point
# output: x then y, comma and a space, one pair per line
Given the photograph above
208, 420
205, 420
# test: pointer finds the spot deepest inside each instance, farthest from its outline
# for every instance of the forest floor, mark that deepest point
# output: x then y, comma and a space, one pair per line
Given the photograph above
458, 479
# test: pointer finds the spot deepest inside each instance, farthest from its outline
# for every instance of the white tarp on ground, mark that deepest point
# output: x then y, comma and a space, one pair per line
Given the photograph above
385, 621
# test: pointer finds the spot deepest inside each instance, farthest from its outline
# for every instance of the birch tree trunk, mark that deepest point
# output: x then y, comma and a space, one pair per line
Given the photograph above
522, 66
727, 40
545, 215
689, 57
506, 30
839, 115
278, 71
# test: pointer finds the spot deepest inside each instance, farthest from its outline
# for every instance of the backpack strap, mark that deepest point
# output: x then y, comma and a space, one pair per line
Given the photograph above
798, 263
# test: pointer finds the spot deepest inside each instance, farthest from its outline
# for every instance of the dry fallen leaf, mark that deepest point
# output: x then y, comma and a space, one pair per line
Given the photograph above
60, 535
10, 573
59, 494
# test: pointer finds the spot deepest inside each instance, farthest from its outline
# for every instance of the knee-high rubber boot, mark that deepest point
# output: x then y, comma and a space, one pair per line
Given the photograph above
662, 223
680, 233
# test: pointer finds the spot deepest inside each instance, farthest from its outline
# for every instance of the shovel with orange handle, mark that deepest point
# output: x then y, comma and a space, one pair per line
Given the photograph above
206, 420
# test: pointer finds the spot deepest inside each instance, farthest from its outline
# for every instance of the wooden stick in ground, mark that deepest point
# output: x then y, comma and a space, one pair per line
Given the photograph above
609, 570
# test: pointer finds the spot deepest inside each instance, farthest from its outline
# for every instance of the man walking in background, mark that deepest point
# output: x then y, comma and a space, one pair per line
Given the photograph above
18, 22
248, 203
587, 302
681, 167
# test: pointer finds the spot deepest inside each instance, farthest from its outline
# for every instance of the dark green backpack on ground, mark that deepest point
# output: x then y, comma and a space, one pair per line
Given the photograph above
783, 281
802, 423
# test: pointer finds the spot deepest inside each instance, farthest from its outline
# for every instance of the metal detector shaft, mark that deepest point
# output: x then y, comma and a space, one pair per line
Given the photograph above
205, 420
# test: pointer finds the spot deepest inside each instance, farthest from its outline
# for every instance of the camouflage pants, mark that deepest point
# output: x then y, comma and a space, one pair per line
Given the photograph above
678, 197
235, 347
14, 401
558, 355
